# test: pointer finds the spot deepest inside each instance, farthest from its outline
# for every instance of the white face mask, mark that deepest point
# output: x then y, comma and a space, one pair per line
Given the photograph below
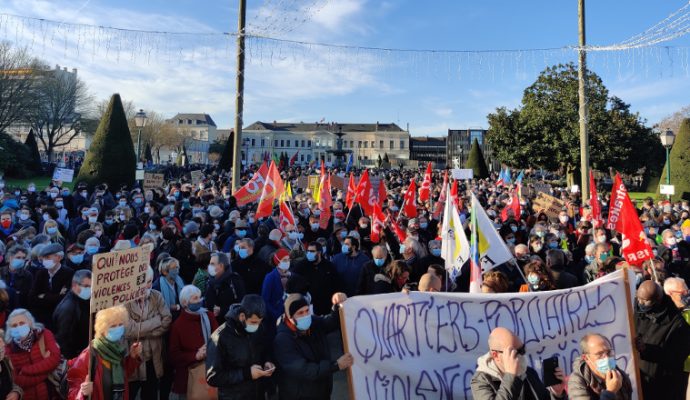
284, 265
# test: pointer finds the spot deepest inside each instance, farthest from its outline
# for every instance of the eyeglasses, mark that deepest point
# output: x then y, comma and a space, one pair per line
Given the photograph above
603, 353
520, 351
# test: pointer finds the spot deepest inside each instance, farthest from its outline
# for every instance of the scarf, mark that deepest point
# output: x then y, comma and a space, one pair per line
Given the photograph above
112, 353
205, 323
168, 292
26, 343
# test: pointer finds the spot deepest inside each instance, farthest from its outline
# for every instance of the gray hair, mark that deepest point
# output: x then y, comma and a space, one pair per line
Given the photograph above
186, 293
417, 247
589, 249
584, 348
92, 241
16, 313
80, 275
249, 242
36, 250
222, 259
435, 243
672, 283
166, 263
149, 273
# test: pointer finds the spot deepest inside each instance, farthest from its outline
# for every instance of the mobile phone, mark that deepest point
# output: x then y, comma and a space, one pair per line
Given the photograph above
548, 367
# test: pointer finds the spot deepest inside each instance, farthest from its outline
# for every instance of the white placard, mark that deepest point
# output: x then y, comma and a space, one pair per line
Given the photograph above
462, 173
63, 175
139, 175
575, 189
668, 189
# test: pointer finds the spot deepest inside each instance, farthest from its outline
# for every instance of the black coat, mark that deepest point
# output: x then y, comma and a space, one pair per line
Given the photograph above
664, 333
230, 353
49, 291
71, 325
322, 283
305, 369
21, 281
224, 291
253, 271
365, 284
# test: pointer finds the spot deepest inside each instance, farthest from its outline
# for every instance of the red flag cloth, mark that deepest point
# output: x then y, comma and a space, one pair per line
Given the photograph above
325, 202
625, 220
272, 190
438, 207
454, 193
363, 192
383, 193
513, 204
594, 204
398, 231
377, 223
286, 216
251, 192
351, 191
293, 159
425, 190
409, 202
615, 206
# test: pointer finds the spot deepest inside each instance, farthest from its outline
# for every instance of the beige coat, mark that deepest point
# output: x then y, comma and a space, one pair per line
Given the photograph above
155, 319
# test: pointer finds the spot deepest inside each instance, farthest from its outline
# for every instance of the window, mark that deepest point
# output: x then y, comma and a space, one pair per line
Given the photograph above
275, 143
189, 122
380, 144
352, 144
359, 144
263, 143
282, 143
373, 144
253, 142
302, 145
402, 144
391, 144
308, 143
329, 158
308, 157
366, 144
288, 143
477, 135
302, 156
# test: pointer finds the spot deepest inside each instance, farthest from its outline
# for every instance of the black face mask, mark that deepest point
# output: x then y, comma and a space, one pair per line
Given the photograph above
644, 309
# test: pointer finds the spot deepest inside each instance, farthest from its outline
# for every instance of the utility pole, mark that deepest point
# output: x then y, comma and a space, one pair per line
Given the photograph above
239, 98
582, 97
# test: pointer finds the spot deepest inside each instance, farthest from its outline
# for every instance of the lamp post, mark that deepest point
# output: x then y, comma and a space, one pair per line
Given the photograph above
667, 140
140, 120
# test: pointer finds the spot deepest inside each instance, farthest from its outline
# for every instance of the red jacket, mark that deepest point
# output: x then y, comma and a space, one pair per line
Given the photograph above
79, 367
185, 340
31, 370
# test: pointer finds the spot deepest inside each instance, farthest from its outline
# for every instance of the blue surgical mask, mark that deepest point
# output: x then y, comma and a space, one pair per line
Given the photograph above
243, 253
194, 307
17, 263
300, 236
379, 261
152, 227
314, 226
251, 328
19, 332
513, 228
52, 230
77, 258
236, 248
311, 256
533, 279
241, 233
85, 293
423, 225
589, 259
510, 241
345, 249
303, 323
553, 245
402, 248
343, 234
109, 221
115, 334
436, 252
605, 365
174, 273
138, 200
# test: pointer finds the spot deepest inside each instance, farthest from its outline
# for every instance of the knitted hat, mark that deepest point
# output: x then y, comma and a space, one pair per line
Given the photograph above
293, 303
279, 255
275, 235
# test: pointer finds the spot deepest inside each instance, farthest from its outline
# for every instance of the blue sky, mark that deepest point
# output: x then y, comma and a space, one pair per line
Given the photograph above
432, 94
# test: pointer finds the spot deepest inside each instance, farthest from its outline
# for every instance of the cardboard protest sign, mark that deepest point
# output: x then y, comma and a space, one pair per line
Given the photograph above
461, 174
542, 187
197, 176
547, 203
426, 345
313, 183
339, 182
153, 181
119, 277
63, 174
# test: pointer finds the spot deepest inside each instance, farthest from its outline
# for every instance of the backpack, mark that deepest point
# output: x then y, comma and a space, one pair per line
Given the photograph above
57, 378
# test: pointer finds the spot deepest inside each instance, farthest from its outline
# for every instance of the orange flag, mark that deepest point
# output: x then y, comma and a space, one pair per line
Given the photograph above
251, 192
351, 191
325, 202
272, 190
383, 193
425, 190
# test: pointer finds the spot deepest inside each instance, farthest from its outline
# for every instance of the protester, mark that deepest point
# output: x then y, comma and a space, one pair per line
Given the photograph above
430, 283
51, 283
224, 288
71, 318
250, 267
9, 390
371, 268
595, 374
349, 264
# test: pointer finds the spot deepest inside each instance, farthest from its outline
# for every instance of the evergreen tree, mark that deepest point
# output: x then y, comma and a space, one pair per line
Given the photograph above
35, 162
680, 162
111, 158
226, 158
475, 161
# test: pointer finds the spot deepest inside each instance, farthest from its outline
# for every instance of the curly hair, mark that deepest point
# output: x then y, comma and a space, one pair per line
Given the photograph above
107, 317
496, 281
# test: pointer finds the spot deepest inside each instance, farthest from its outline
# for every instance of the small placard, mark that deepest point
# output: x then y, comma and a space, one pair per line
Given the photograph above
63, 174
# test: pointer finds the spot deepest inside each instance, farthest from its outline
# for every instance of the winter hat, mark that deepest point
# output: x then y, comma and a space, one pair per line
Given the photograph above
293, 303
275, 235
279, 255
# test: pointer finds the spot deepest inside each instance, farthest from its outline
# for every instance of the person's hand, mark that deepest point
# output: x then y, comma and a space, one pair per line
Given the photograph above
63, 291
135, 350
269, 368
42, 295
559, 387
405, 290
345, 361
12, 396
86, 388
338, 298
614, 381
511, 362
201, 353
258, 372
216, 310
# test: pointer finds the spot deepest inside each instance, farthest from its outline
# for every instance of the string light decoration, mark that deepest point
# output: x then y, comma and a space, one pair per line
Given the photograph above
276, 18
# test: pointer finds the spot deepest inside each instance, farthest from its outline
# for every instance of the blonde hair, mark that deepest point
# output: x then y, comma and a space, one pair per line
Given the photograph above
107, 317
52, 222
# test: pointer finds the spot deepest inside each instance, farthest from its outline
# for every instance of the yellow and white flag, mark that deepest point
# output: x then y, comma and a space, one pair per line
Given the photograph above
455, 249
492, 249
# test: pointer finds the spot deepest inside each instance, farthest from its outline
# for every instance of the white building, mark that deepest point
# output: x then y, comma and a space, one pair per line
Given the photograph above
199, 131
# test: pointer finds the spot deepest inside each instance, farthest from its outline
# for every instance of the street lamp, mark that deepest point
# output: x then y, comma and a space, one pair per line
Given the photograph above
667, 140
140, 121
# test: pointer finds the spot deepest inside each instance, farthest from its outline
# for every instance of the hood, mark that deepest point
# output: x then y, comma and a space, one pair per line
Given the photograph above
486, 365
233, 313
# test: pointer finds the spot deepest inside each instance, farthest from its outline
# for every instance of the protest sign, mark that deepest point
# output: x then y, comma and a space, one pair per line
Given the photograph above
542, 187
119, 277
63, 175
339, 182
547, 203
197, 176
153, 181
313, 182
461, 174
426, 345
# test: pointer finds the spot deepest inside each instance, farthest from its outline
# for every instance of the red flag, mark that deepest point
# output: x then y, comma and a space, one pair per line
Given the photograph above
286, 216
272, 190
615, 206
625, 220
363, 193
594, 204
383, 193
293, 159
513, 204
351, 191
454, 193
325, 202
425, 190
398, 231
438, 207
409, 202
251, 192
377, 223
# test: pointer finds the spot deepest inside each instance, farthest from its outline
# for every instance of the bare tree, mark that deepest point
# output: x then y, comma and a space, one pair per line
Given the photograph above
673, 121
17, 70
167, 137
59, 100
101, 106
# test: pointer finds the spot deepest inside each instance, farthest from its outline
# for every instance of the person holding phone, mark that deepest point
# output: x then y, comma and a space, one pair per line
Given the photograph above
595, 374
503, 373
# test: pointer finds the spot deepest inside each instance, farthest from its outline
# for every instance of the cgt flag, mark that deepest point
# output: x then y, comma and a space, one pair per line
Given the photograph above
616, 203
363, 193
251, 192
351, 191
325, 202
272, 190
594, 204
286, 216
409, 201
514, 205
455, 248
377, 223
625, 220
425, 190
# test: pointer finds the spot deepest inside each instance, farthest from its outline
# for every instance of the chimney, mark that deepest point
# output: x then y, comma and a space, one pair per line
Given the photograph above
57, 66
65, 69
74, 70
377, 126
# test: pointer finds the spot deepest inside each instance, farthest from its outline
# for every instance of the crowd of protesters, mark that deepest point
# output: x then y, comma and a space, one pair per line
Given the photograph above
250, 303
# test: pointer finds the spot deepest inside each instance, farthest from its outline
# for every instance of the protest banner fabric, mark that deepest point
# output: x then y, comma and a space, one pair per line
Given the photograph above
197, 176
251, 192
426, 345
63, 175
542, 187
455, 248
462, 173
492, 249
547, 203
119, 277
153, 181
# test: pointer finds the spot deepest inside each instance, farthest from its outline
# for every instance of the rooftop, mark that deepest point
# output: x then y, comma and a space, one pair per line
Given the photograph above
317, 126
204, 119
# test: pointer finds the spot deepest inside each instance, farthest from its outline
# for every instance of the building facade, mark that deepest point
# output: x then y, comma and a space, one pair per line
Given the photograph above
460, 142
198, 130
425, 149
312, 141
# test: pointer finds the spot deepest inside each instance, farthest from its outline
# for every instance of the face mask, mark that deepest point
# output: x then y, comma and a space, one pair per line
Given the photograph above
402, 248
241, 233
336, 220
48, 263
671, 242
303, 323
644, 308
123, 217
293, 235
510, 241
6, 224
423, 225
436, 252
91, 250
19, 332
212, 270
343, 234
363, 226
537, 248
194, 307
589, 259
174, 273
171, 214
345, 249
284, 265
32, 189
243, 253
533, 279
311, 256
305, 212
563, 218
251, 220
46, 217
77, 258
152, 227
138, 200
52, 230
603, 257
84, 194
108, 221
23, 217
667, 221
147, 209
85, 293
53, 195
314, 226
605, 365
513, 228
540, 234
17, 263
317, 212
300, 235
93, 219
115, 334
553, 245
236, 248
601, 239
251, 328
216, 226
123, 203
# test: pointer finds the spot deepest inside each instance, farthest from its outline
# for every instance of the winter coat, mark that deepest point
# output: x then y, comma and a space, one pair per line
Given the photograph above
348, 269
223, 291
31, 369
71, 322
43, 307
7, 384
149, 321
274, 296
230, 353
583, 384
79, 367
253, 271
322, 279
303, 359
488, 383
185, 339
21, 281
365, 282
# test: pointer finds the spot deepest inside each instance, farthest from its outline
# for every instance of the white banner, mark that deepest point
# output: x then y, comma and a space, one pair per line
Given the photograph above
492, 249
459, 173
63, 174
426, 345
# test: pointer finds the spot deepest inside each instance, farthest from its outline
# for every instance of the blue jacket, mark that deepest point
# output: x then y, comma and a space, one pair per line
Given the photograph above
272, 292
348, 269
